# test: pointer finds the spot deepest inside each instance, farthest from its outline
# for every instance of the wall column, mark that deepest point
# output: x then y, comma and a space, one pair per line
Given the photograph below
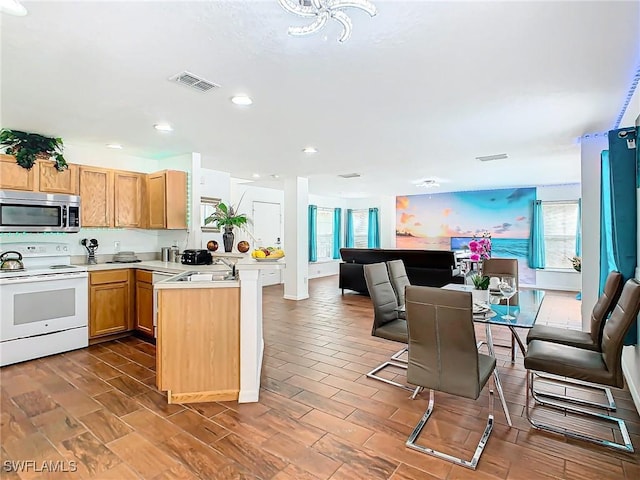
590, 151
296, 238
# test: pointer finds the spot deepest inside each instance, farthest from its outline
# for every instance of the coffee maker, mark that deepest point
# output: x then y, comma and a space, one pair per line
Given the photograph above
91, 245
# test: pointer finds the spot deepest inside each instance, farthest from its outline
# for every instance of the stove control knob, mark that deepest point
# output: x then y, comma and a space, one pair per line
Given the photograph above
58, 248
65, 248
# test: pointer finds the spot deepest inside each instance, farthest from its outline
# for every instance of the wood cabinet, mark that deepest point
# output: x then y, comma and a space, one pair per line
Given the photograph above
128, 195
167, 200
96, 192
198, 344
110, 302
144, 302
50, 180
14, 177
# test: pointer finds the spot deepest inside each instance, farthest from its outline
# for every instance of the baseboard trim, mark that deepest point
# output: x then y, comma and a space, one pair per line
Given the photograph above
294, 297
631, 371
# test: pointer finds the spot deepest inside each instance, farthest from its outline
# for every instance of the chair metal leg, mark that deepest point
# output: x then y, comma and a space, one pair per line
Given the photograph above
627, 446
609, 405
496, 377
416, 392
473, 463
396, 356
373, 374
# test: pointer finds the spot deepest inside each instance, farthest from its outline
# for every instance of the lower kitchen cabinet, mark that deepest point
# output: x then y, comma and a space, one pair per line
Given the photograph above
144, 302
110, 302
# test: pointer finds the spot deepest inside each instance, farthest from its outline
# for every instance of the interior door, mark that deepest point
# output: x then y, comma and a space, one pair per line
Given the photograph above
267, 230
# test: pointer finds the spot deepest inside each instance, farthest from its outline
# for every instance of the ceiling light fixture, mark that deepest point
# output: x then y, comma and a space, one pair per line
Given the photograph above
275, 175
428, 183
13, 7
243, 100
490, 158
323, 10
114, 145
256, 175
310, 150
163, 127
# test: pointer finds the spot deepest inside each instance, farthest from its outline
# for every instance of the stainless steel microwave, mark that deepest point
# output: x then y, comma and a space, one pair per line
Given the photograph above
38, 212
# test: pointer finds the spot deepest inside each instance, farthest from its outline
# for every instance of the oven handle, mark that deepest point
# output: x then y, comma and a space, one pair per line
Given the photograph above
43, 278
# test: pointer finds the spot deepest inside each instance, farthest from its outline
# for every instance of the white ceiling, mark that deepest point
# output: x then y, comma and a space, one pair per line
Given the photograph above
418, 91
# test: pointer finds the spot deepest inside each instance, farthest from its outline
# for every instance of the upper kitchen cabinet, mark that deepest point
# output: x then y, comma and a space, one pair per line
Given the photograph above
129, 187
14, 177
167, 200
50, 180
96, 191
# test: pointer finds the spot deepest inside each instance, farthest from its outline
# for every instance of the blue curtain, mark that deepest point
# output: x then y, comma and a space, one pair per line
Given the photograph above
536, 242
618, 217
337, 226
579, 230
313, 233
373, 234
351, 238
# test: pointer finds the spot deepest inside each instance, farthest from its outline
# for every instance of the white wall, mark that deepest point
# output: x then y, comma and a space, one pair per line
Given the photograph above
213, 184
558, 280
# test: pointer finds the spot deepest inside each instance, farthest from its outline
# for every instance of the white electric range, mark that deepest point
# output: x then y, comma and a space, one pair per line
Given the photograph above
44, 307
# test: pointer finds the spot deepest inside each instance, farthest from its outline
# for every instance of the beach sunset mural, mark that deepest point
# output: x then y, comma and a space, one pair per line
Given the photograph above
438, 221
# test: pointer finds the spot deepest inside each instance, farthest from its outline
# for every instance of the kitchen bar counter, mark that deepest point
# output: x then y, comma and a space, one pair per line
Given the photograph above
186, 307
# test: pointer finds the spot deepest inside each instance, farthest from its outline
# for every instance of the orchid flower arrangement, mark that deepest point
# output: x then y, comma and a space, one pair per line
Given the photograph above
480, 250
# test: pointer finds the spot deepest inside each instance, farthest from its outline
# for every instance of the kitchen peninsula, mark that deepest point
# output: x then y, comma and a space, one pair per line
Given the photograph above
209, 344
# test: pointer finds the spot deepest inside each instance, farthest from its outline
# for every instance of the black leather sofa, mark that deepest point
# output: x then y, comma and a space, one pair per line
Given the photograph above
431, 268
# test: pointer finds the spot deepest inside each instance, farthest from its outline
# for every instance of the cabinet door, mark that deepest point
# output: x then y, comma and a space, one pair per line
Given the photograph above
96, 191
156, 200
176, 199
52, 181
144, 307
127, 199
109, 309
14, 177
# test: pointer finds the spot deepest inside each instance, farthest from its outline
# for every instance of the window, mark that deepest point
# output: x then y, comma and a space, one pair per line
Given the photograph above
361, 228
560, 222
325, 232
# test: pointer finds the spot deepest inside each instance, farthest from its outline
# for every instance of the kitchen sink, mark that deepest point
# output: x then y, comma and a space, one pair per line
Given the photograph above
222, 276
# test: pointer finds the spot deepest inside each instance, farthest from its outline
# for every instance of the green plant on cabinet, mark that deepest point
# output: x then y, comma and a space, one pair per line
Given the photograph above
27, 147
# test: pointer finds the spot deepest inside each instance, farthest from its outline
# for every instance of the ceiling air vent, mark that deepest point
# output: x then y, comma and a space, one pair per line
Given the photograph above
349, 175
490, 158
193, 81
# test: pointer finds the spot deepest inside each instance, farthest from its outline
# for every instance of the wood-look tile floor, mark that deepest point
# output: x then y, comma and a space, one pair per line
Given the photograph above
318, 417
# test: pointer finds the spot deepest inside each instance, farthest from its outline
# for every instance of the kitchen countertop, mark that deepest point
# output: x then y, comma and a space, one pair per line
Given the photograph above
173, 267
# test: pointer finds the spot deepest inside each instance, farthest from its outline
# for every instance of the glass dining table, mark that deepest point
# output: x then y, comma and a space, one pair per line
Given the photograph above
524, 314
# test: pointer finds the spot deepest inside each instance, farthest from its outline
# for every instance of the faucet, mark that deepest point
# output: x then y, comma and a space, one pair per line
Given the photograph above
228, 263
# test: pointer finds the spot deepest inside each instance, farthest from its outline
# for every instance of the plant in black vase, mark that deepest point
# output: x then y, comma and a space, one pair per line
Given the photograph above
227, 217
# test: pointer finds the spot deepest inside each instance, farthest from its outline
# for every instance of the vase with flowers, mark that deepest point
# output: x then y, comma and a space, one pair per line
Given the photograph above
480, 249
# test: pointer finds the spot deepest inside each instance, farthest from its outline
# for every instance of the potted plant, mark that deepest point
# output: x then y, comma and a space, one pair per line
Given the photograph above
480, 250
27, 147
227, 217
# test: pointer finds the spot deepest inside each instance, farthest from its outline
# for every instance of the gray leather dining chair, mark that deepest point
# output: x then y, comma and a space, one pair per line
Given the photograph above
603, 367
443, 357
591, 340
500, 267
387, 323
399, 278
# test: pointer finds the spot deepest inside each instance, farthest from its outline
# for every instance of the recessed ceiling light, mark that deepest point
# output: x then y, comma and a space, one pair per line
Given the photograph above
163, 127
275, 175
256, 175
490, 158
243, 100
114, 145
310, 150
13, 7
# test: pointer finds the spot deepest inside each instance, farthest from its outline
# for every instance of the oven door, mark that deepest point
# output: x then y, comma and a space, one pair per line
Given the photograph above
43, 304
